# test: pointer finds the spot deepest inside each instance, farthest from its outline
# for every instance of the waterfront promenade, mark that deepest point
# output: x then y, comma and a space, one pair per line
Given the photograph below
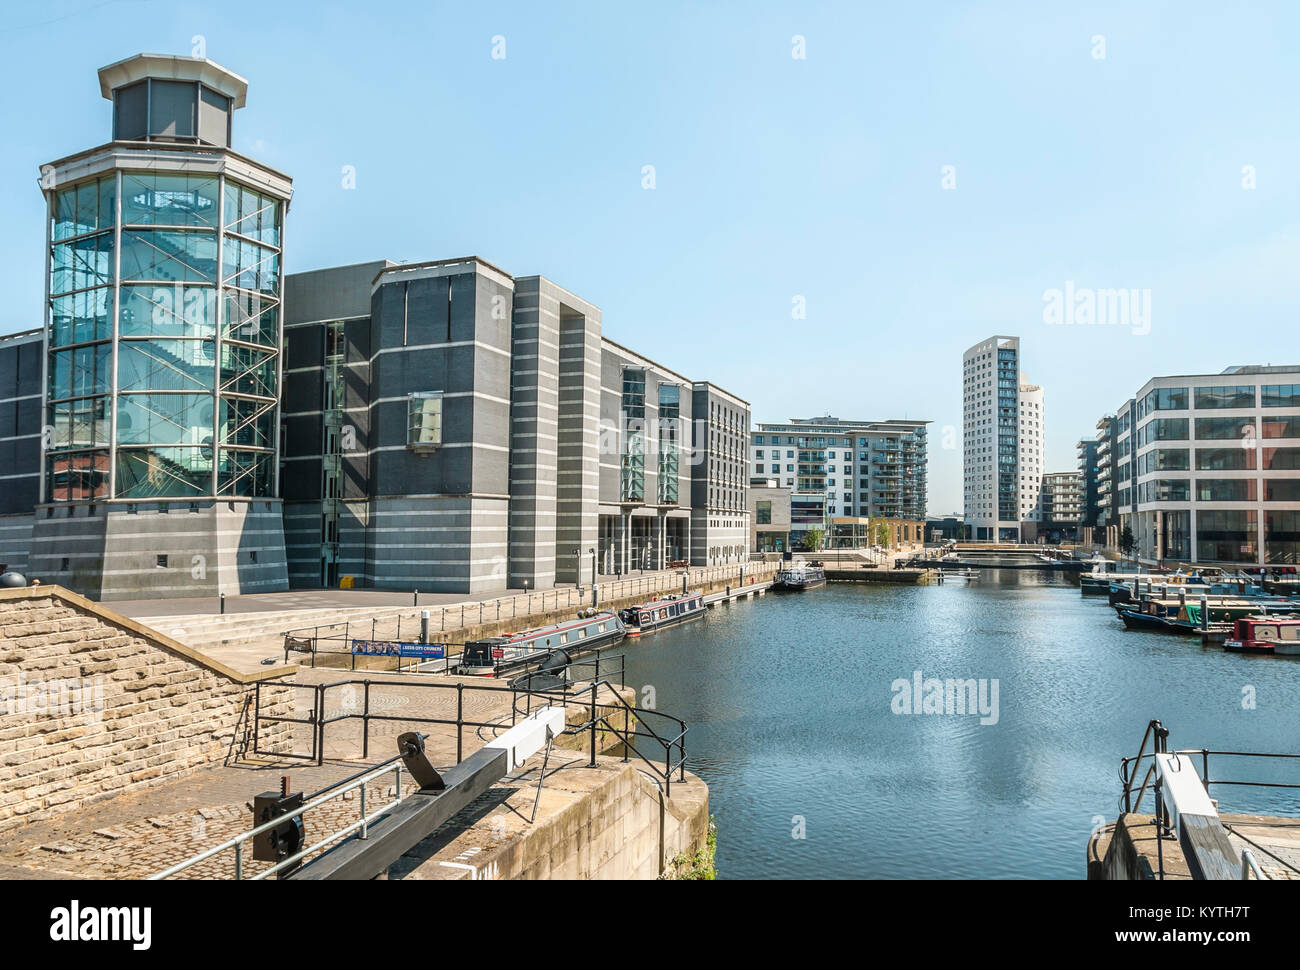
252, 629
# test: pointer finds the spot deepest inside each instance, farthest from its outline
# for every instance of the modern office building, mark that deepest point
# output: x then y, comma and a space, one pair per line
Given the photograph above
452, 427
842, 469
211, 426
1003, 435
1207, 467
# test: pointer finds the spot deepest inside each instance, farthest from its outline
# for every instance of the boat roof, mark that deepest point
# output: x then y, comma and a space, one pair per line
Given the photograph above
540, 631
676, 598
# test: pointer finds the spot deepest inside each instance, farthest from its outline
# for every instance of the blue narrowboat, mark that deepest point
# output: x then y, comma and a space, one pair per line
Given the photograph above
493, 656
659, 613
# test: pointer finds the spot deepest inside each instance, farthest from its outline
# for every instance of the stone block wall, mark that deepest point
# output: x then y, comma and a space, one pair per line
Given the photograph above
94, 705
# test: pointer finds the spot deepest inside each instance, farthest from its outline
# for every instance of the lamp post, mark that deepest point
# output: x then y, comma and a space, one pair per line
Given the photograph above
595, 588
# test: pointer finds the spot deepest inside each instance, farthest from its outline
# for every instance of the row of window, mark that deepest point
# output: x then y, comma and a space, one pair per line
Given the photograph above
1218, 490
1220, 397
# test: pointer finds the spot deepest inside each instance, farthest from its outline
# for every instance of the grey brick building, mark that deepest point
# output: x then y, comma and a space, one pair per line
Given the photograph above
450, 427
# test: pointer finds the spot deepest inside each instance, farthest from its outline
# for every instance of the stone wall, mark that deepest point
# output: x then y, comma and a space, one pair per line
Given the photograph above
613, 822
93, 705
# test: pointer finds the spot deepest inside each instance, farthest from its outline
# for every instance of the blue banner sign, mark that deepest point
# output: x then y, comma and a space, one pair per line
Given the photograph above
395, 648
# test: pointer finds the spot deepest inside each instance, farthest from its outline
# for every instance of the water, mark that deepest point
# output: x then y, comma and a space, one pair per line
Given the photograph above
788, 699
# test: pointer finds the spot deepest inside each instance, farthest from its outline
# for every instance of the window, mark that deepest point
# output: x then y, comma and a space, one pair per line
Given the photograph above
1281, 458
1225, 490
1282, 490
1162, 459
1282, 537
1221, 428
763, 513
1232, 396
424, 419
1226, 536
1280, 396
1280, 426
1215, 459
161, 561
1163, 399
1164, 490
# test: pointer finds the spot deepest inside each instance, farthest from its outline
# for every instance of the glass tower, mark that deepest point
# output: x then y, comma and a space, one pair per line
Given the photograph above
164, 300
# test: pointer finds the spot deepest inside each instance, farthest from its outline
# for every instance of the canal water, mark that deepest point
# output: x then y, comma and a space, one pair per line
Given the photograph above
790, 700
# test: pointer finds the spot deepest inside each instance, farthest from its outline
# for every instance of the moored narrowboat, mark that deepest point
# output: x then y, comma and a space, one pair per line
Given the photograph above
1278, 635
662, 612
799, 578
493, 656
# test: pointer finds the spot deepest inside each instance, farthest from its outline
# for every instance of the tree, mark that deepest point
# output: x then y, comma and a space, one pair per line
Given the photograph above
881, 534
812, 539
1126, 541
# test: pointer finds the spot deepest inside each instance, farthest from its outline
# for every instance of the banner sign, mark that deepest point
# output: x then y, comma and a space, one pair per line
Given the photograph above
395, 648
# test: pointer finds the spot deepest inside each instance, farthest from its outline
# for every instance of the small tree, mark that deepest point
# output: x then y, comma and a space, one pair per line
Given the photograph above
1126, 541
812, 539
882, 534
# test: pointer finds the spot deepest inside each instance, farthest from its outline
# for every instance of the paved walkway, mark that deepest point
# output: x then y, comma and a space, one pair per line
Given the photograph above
316, 599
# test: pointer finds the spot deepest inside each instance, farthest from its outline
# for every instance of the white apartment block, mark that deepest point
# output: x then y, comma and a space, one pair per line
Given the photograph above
1003, 437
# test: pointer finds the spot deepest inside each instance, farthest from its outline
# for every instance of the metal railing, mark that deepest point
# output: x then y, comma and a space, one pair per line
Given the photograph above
319, 717
1158, 736
601, 700
324, 796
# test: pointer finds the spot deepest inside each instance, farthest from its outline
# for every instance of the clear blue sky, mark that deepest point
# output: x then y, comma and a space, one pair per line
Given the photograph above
776, 177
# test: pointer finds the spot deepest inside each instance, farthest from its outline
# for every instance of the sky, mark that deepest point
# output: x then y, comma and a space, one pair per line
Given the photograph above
844, 196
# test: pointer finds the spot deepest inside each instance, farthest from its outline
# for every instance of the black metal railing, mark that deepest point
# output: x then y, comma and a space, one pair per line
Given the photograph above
601, 700
1144, 762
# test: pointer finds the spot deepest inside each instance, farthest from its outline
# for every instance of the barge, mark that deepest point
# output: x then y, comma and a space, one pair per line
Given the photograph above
660, 613
1265, 634
514, 652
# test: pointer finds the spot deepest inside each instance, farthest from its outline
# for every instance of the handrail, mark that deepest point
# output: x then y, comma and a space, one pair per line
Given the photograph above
1248, 864
236, 842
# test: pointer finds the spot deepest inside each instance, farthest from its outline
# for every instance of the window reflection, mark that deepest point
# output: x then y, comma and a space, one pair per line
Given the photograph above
169, 256
163, 472
165, 365
164, 419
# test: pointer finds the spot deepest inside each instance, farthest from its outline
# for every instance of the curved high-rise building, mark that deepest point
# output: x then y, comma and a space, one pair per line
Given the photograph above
162, 346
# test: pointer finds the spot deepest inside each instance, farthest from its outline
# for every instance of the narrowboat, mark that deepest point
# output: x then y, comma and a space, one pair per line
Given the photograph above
1172, 616
799, 578
659, 613
1149, 615
493, 656
1278, 635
